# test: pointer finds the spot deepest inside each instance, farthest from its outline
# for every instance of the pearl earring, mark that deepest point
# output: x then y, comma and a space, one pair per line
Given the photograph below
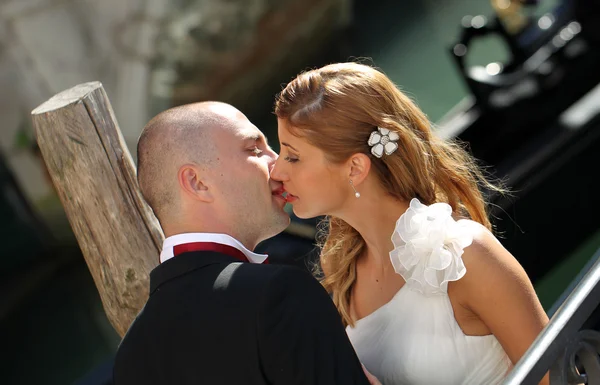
356, 193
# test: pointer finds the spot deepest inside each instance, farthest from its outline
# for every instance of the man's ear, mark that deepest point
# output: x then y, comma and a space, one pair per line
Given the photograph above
358, 168
194, 183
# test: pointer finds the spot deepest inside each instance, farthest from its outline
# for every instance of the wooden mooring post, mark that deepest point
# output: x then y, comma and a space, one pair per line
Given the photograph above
95, 177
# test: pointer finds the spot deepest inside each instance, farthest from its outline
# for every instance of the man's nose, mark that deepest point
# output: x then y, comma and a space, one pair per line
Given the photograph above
272, 158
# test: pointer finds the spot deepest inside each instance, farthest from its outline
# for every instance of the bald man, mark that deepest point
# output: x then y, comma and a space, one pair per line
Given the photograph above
218, 313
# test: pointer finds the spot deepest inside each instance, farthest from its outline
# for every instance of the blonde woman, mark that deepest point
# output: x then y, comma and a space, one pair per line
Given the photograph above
428, 294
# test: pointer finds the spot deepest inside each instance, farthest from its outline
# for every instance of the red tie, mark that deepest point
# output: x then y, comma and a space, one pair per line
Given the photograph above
211, 246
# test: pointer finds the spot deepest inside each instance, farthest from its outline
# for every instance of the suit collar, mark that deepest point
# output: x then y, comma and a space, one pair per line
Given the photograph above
184, 264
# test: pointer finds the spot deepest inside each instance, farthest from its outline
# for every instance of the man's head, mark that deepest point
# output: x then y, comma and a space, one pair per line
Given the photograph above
205, 167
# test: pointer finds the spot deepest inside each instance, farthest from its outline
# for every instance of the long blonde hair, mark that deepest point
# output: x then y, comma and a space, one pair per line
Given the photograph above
335, 108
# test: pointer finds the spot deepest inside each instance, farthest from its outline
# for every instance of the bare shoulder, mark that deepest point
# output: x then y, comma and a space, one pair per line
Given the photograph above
489, 265
496, 289
486, 251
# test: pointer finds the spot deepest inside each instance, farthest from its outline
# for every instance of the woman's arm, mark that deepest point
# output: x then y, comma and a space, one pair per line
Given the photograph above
497, 289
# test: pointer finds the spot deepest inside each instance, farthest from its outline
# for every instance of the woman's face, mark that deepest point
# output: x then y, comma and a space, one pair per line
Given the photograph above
315, 186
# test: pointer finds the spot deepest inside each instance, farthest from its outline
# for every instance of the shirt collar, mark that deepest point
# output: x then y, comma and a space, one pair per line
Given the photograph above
174, 240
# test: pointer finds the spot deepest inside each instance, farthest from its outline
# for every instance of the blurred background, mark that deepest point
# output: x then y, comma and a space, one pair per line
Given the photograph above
517, 80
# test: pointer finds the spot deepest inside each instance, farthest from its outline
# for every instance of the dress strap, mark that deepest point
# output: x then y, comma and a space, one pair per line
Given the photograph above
428, 246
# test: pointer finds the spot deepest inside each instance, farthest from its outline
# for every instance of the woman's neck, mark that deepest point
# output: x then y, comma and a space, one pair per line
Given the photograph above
375, 219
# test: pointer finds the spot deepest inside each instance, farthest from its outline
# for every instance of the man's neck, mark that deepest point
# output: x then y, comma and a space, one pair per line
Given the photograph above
188, 222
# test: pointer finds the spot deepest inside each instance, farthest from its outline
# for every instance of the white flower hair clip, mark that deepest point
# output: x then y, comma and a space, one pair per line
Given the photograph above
383, 140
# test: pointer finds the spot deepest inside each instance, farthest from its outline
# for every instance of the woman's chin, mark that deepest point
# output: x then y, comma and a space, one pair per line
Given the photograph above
303, 214
299, 214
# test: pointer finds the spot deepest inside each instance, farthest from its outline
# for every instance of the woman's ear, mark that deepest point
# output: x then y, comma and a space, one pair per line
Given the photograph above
194, 183
359, 166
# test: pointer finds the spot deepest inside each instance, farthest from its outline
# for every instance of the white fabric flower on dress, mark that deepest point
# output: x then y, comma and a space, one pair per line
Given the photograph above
383, 140
428, 246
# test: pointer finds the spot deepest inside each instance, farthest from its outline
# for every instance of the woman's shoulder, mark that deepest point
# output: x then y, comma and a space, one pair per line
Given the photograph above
429, 244
486, 257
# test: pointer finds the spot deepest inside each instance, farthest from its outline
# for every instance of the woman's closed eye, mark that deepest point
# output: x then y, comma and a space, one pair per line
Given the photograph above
290, 159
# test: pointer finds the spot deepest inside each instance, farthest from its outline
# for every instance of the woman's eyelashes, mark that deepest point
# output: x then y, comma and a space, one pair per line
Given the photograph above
290, 159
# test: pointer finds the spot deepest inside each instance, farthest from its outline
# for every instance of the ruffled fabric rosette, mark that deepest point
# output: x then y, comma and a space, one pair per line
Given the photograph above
428, 247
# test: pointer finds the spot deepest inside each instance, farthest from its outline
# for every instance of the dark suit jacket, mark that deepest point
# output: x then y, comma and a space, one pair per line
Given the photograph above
212, 320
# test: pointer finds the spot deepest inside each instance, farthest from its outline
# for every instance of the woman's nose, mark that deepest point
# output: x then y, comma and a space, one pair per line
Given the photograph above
276, 170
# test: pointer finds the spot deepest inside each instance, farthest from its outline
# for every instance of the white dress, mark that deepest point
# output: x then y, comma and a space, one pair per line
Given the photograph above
414, 339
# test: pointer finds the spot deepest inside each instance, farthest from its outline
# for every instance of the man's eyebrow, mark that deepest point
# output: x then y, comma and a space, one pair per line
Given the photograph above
253, 137
261, 137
